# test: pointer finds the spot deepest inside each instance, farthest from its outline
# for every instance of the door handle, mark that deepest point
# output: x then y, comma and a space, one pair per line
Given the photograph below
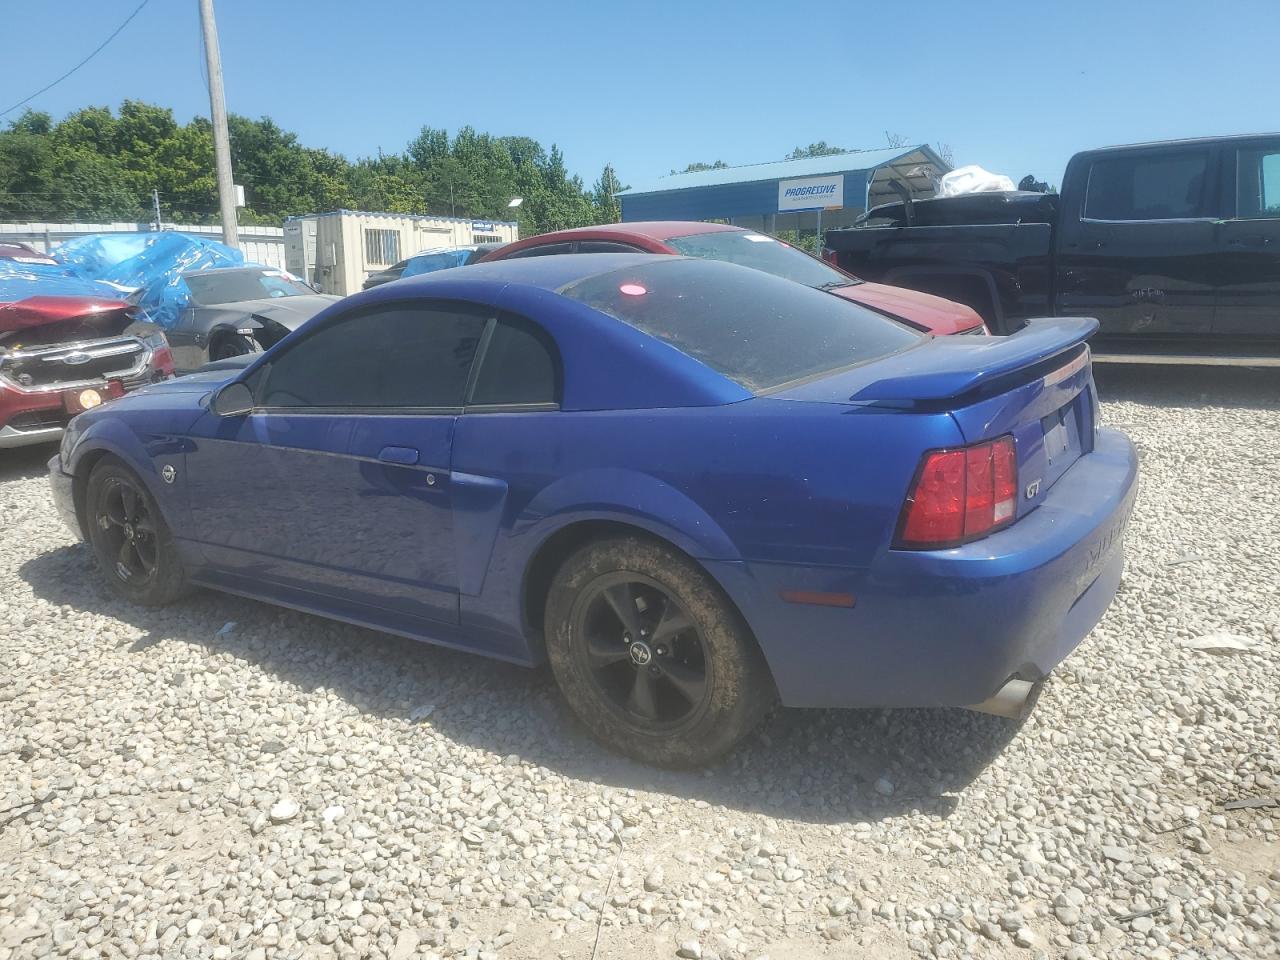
405, 456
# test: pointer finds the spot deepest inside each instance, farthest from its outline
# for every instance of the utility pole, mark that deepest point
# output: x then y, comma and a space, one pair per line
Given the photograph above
221, 139
155, 200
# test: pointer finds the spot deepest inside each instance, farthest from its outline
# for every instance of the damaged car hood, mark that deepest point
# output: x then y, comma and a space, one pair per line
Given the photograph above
41, 320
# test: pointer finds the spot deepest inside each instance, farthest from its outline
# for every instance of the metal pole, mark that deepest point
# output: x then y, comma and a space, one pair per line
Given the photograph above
817, 247
155, 200
221, 139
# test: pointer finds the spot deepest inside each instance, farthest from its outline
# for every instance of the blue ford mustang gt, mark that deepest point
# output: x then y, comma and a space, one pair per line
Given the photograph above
694, 488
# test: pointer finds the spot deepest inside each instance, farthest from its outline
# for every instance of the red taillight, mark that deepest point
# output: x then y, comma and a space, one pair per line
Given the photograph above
961, 495
829, 255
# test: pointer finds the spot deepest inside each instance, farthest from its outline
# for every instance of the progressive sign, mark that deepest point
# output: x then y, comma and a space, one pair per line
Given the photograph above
811, 193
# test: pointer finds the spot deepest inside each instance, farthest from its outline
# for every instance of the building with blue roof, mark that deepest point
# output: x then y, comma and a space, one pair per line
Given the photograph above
806, 194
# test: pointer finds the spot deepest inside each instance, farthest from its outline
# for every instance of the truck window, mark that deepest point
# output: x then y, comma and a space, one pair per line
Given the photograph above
1258, 184
1164, 186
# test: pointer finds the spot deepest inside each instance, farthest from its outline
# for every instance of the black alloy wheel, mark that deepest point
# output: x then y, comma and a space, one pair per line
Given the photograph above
130, 539
128, 531
651, 654
645, 654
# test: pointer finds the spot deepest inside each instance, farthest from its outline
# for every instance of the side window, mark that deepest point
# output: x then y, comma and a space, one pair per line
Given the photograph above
606, 246
520, 365
400, 355
1258, 183
544, 251
1163, 186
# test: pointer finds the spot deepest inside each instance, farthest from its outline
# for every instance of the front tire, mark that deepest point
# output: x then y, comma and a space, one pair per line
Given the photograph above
652, 656
232, 345
132, 543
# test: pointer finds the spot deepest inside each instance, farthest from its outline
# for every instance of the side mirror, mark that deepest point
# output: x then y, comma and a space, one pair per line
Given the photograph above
233, 400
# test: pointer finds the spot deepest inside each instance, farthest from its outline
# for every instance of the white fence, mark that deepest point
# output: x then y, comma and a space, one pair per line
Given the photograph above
263, 245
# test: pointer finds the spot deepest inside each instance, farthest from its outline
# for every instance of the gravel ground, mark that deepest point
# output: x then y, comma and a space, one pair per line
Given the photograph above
285, 786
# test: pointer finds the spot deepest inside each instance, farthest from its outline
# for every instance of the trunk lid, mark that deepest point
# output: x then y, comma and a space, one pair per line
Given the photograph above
1036, 385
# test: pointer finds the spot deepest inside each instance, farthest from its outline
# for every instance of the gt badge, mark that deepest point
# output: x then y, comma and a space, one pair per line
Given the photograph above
1032, 489
167, 473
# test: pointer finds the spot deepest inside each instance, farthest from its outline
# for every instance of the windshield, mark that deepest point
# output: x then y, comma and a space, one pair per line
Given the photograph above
231, 286
754, 328
750, 249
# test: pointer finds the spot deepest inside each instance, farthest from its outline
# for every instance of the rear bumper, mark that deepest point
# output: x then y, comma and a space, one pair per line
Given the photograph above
64, 501
950, 627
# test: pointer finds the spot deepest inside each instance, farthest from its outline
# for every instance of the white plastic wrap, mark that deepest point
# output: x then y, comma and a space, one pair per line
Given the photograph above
973, 179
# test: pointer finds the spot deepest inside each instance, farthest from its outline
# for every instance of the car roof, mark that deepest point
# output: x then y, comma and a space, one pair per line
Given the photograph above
614, 365
14, 246
650, 229
548, 273
1185, 142
247, 268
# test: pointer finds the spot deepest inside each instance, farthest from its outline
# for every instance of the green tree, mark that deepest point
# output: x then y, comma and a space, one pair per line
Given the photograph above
819, 149
95, 165
604, 196
699, 167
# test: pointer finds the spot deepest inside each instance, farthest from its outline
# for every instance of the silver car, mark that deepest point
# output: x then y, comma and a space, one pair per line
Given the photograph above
239, 311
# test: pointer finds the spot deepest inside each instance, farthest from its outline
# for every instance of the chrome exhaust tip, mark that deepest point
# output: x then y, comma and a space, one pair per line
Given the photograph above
1014, 700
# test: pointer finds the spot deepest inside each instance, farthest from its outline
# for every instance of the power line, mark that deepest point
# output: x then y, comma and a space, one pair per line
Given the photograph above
97, 50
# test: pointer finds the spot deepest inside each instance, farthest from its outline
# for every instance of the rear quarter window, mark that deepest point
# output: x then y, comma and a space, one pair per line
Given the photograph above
758, 330
521, 366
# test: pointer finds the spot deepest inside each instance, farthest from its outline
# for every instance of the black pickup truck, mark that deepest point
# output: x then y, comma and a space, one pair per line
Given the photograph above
1173, 246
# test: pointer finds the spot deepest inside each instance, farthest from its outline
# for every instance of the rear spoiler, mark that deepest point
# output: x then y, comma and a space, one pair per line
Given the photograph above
948, 367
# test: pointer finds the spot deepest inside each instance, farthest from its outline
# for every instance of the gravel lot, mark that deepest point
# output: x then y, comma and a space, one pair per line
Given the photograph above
285, 786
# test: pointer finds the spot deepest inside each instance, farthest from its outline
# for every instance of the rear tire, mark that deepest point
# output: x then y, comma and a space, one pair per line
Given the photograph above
652, 656
130, 540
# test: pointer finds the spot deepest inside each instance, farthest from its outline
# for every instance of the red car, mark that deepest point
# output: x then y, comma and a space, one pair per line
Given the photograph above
60, 355
717, 241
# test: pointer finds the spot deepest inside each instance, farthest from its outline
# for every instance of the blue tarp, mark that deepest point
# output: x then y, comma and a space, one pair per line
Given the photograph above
434, 260
18, 281
139, 259
114, 264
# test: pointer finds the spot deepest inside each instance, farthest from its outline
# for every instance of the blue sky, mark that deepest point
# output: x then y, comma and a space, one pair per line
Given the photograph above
651, 86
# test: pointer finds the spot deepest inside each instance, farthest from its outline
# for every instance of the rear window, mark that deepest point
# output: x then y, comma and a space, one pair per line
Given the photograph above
756, 329
750, 249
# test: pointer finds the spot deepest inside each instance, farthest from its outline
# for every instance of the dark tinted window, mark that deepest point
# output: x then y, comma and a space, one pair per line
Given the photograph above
761, 252
543, 251
1166, 186
606, 246
753, 327
519, 366
394, 356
